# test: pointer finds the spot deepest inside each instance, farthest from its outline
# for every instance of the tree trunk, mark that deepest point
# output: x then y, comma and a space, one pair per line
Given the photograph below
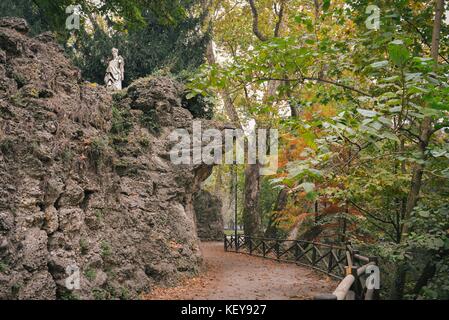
251, 213
418, 169
426, 125
227, 101
252, 223
281, 203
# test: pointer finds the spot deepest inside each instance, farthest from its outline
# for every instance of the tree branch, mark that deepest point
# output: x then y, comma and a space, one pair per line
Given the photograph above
255, 15
319, 80
369, 214
423, 39
280, 15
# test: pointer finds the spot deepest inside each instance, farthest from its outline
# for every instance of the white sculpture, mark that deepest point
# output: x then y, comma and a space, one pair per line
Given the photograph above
115, 73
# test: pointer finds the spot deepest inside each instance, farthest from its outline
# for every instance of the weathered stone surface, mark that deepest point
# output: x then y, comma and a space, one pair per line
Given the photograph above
39, 287
72, 195
209, 220
17, 24
34, 252
2, 56
75, 192
51, 219
71, 219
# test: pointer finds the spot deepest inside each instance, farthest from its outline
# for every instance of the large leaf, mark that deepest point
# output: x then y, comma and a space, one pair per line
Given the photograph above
398, 53
379, 64
367, 113
307, 186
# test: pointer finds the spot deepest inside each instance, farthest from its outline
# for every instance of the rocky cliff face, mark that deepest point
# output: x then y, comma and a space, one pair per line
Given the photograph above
86, 181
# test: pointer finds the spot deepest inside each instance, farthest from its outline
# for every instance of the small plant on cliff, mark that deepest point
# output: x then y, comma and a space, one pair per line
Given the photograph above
67, 155
150, 120
121, 123
105, 249
20, 80
3, 267
99, 214
15, 289
7, 146
110, 272
18, 100
119, 95
84, 247
98, 152
90, 274
100, 294
144, 142
69, 296
124, 294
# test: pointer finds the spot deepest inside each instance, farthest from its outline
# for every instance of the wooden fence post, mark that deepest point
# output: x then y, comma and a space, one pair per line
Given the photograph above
276, 247
313, 254
331, 260
263, 248
296, 251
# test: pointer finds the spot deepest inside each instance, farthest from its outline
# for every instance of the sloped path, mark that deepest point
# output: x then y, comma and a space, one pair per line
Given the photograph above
230, 276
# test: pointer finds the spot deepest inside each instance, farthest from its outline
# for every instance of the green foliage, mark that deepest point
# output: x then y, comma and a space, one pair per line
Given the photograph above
144, 142
15, 289
67, 155
121, 121
167, 28
100, 294
124, 294
269, 195
382, 88
7, 146
150, 120
99, 153
199, 106
20, 80
90, 274
438, 287
168, 46
110, 292
3, 267
99, 214
105, 248
84, 246
26, 9
69, 295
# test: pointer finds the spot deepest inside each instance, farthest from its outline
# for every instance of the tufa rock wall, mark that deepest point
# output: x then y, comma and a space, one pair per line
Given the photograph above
86, 179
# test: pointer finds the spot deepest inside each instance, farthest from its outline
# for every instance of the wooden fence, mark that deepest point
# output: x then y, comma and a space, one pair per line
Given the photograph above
339, 262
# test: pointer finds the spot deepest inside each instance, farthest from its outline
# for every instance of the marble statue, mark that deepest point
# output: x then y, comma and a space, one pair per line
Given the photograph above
115, 73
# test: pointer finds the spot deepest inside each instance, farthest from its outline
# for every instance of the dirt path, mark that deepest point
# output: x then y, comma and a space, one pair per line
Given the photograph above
231, 276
